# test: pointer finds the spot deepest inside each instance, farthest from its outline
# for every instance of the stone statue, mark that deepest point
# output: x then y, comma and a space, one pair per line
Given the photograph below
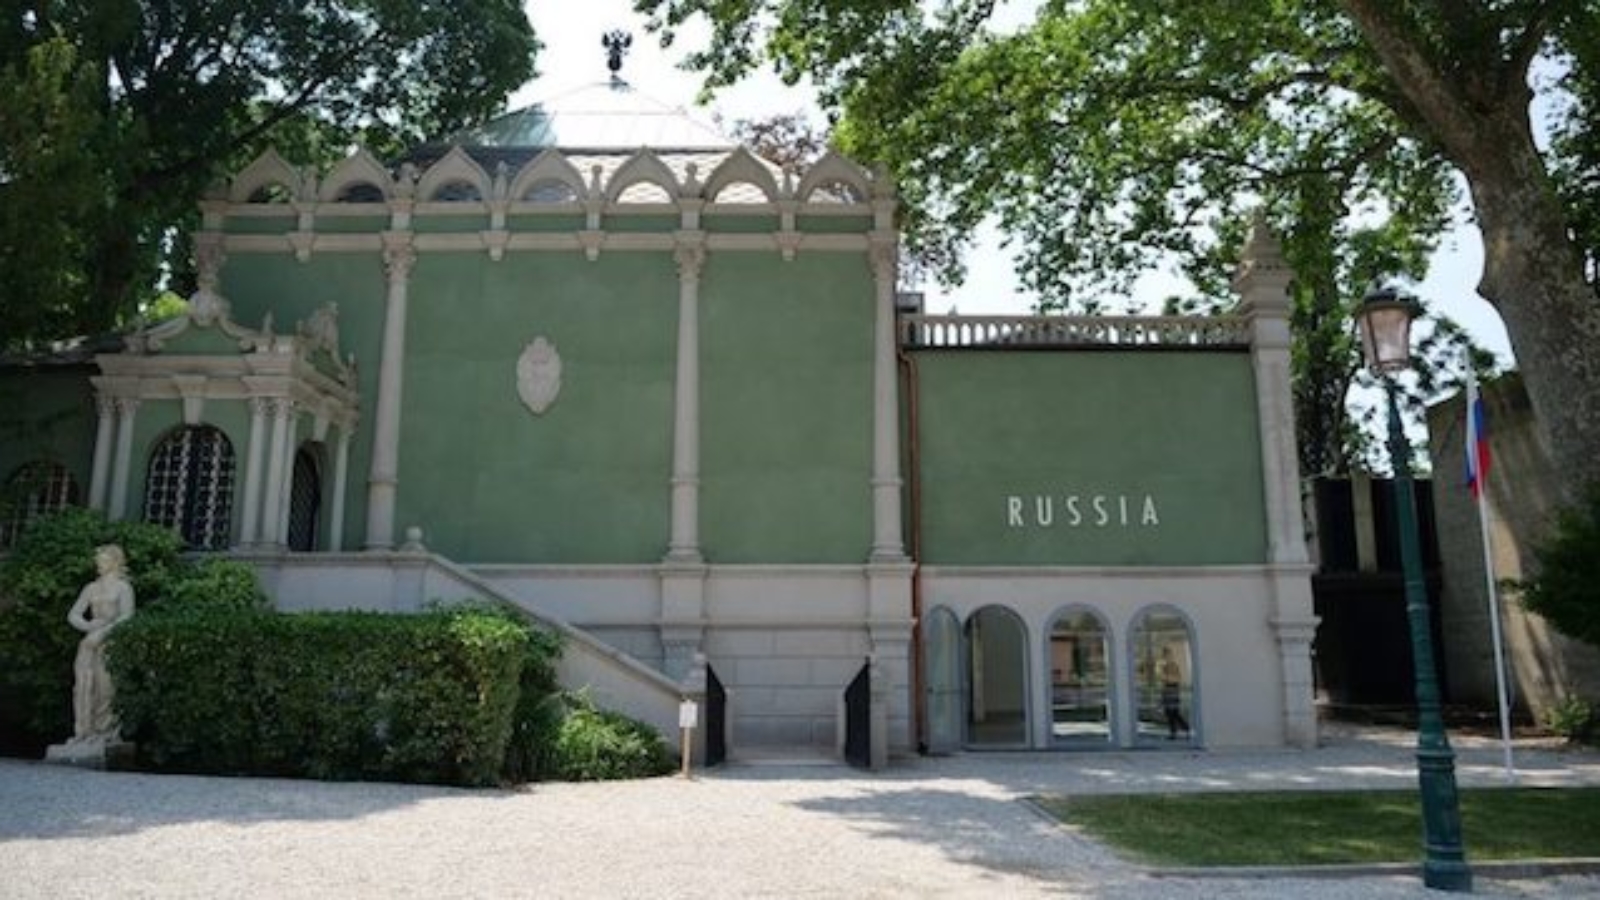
103, 604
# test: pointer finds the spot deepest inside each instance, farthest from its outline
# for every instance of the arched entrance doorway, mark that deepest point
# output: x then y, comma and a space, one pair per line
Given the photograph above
1164, 694
997, 679
1080, 680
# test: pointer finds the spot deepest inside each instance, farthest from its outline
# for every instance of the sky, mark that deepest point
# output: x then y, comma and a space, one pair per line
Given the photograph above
573, 56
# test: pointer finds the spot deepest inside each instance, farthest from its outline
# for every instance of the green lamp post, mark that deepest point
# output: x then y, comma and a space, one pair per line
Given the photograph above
1385, 319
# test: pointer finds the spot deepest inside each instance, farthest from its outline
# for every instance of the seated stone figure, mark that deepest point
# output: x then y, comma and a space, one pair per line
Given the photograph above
102, 605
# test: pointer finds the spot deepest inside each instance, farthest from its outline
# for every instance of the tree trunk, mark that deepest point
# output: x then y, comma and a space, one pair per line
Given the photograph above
1533, 275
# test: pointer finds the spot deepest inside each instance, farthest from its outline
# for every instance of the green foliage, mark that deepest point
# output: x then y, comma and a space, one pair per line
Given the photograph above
115, 117
1572, 718
599, 745
47, 568
530, 752
1565, 587
426, 698
215, 585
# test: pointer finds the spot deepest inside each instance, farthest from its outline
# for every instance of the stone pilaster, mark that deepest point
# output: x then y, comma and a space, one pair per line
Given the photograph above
341, 477
117, 503
1262, 283
105, 428
684, 542
272, 505
249, 533
384, 478
887, 542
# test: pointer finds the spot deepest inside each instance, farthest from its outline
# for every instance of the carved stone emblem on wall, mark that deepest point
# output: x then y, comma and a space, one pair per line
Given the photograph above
539, 375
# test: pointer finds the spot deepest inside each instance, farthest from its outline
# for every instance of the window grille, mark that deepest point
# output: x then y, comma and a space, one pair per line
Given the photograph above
34, 489
190, 486
305, 500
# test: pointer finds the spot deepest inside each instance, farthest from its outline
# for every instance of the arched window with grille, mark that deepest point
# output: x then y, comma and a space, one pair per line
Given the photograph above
190, 486
305, 497
33, 489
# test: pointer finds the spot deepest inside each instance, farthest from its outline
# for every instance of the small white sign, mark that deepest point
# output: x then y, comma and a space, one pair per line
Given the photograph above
688, 714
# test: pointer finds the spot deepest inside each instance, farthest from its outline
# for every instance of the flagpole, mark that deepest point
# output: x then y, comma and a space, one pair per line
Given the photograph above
1481, 493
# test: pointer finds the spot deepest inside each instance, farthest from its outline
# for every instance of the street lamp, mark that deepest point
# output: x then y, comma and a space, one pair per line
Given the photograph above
1385, 320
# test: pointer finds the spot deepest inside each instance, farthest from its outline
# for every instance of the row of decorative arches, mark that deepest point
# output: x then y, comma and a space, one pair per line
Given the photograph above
554, 177
982, 677
189, 487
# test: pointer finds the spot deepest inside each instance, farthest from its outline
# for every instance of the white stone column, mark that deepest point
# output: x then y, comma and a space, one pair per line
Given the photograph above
291, 445
1262, 283
248, 533
384, 478
887, 543
272, 505
683, 571
341, 471
105, 428
684, 543
117, 504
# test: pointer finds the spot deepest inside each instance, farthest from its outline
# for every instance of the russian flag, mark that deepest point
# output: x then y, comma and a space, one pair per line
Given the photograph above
1477, 436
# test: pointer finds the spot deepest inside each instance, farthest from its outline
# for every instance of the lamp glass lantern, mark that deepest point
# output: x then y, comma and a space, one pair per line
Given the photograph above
1385, 318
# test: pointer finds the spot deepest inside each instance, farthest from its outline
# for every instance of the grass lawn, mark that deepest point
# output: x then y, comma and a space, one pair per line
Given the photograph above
1321, 828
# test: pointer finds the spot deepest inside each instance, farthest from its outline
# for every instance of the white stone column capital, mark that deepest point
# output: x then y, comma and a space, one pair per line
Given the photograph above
399, 255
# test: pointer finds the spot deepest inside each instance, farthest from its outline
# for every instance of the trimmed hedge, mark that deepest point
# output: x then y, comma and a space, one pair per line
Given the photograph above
41, 578
426, 698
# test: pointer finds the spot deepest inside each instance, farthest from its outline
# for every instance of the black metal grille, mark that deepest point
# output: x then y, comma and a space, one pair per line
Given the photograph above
716, 719
858, 719
35, 489
305, 499
190, 486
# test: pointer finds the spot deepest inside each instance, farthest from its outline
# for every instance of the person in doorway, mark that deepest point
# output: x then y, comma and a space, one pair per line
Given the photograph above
1171, 676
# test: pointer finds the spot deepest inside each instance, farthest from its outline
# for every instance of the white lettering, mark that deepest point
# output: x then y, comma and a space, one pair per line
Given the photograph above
1044, 510
1014, 512
1122, 506
1101, 517
1075, 516
1150, 517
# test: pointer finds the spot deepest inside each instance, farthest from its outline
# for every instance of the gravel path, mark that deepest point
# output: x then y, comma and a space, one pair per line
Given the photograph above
951, 827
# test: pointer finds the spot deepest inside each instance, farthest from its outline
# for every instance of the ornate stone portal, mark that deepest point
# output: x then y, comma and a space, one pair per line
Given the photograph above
102, 605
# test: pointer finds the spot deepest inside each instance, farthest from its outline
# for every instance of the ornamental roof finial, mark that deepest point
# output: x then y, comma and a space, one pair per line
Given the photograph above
616, 43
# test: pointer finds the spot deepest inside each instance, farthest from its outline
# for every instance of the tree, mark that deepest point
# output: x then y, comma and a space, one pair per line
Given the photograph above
119, 114
1127, 111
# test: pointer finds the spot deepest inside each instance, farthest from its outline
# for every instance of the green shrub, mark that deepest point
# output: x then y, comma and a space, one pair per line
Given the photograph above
41, 578
424, 698
599, 745
1572, 718
1566, 585
214, 584
530, 754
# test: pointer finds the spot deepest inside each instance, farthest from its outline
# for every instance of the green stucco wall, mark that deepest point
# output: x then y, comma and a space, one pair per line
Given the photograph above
1015, 446
586, 482
786, 401
292, 290
48, 414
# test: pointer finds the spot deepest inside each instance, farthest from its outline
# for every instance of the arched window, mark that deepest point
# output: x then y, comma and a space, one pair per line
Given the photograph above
34, 489
190, 486
550, 190
1080, 682
997, 679
457, 192
305, 498
1163, 671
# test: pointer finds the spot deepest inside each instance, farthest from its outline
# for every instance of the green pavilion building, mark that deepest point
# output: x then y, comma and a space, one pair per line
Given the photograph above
598, 360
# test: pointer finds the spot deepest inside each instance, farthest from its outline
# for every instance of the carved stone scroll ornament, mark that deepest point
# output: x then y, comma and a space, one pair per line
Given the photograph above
539, 375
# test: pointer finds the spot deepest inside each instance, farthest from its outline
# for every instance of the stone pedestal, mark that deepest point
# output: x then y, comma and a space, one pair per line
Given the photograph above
112, 753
